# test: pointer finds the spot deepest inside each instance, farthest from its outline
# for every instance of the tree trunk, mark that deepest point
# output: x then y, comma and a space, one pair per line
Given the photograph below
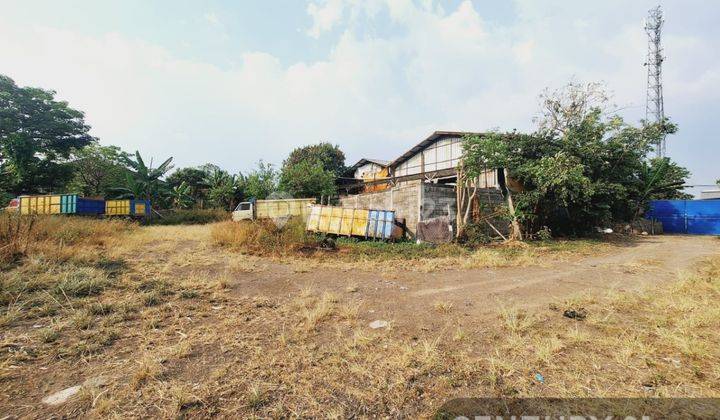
470, 200
460, 200
516, 233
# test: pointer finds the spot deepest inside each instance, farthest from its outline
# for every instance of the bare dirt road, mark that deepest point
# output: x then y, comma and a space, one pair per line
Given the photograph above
411, 299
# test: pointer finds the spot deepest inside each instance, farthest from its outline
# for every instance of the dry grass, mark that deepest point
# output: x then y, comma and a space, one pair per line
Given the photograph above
443, 307
263, 237
204, 348
21, 236
658, 342
389, 257
293, 245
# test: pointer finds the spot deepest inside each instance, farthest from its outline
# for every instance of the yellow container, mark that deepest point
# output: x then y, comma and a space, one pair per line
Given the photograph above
140, 208
270, 209
359, 222
117, 208
40, 204
337, 220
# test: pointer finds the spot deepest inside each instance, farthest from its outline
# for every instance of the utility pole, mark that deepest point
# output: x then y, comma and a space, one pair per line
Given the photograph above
654, 107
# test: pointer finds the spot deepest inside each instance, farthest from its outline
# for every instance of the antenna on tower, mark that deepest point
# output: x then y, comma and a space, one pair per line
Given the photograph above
654, 107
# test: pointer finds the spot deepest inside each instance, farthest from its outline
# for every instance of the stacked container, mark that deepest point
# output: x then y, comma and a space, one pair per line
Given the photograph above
137, 208
375, 224
60, 204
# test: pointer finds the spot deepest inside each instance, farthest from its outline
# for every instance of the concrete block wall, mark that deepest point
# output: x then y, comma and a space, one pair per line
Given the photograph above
439, 201
415, 201
404, 199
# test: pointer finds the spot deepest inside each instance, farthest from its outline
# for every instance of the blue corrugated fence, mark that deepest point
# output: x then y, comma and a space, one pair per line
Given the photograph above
696, 217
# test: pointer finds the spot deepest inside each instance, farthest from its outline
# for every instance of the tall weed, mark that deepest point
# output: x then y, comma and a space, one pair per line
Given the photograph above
24, 235
15, 234
264, 237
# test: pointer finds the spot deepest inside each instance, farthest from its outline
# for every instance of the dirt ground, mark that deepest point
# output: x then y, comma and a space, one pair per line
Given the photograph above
406, 297
239, 335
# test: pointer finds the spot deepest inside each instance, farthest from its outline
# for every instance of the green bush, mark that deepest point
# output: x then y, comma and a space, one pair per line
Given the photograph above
476, 234
5, 198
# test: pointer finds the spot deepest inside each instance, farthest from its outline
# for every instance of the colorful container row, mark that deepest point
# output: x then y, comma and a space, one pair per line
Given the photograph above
375, 224
138, 208
73, 204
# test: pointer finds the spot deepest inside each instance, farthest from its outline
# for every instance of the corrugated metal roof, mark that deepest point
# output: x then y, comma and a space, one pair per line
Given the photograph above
364, 161
710, 195
427, 142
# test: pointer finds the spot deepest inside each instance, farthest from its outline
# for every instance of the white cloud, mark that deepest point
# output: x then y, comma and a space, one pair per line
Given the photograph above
325, 16
375, 96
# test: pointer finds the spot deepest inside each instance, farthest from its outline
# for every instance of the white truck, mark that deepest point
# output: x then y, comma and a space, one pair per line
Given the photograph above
273, 209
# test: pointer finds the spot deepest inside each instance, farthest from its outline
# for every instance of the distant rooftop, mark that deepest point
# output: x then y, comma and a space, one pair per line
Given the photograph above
365, 161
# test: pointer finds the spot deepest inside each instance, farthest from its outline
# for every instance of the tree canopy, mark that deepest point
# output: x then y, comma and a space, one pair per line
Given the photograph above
330, 157
311, 171
307, 179
583, 168
38, 135
97, 170
262, 181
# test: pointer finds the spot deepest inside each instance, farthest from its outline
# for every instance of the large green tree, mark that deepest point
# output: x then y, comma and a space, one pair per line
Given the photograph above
308, 179
98, 169
37, 137
311, 171
261, 182
583, 168
330, 157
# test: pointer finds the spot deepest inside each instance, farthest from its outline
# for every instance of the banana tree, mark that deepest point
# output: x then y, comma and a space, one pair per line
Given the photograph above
145, 181
181, 197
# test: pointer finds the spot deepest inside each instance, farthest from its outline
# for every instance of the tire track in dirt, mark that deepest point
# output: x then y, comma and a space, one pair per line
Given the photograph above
650, 261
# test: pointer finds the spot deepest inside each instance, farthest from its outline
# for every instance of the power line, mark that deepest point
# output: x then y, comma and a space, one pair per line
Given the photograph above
654, 105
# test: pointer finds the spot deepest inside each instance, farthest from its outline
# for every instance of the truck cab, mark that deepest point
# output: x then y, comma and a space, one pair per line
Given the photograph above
13, 206
244, 211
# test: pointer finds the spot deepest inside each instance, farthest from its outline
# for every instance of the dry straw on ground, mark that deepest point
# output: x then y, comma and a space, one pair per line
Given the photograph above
115, 300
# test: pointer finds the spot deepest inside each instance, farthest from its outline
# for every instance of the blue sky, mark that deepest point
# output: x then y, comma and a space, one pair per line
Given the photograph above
232, 82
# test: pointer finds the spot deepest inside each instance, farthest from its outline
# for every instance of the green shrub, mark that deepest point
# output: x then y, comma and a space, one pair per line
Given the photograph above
5, 198
476, 234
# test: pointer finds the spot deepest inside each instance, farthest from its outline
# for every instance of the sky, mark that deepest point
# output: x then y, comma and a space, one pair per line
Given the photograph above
233, 82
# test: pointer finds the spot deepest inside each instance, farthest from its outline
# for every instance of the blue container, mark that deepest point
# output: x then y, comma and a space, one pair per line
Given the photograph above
380, 224
72, 204
140, 208
695, 217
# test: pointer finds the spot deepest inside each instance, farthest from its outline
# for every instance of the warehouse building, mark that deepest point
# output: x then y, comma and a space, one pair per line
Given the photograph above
419, 184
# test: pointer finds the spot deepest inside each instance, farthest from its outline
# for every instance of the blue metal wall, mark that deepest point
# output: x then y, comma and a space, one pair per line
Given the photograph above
696, 217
